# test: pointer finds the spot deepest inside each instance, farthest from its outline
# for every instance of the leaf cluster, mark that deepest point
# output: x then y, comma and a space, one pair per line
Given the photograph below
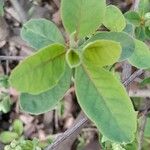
44, 77
141, 20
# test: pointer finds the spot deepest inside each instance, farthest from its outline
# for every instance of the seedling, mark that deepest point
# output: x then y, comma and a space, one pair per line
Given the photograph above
44, 77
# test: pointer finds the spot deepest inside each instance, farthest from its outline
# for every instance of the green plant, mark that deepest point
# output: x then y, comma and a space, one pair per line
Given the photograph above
8, 136
14, 139
141, 20
23, 145
44, 77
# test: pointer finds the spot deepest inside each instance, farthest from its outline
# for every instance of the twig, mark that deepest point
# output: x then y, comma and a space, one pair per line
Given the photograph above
139, 93
11, 58
143, 124
126, 73
57, 2
132, 77
67, 133
22, 14
142, 128
83, 121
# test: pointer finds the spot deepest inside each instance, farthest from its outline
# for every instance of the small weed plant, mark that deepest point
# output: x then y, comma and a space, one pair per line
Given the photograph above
85, 56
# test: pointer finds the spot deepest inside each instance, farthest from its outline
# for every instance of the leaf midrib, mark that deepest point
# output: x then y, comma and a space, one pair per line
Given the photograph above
79, 20
89, 76
42, 35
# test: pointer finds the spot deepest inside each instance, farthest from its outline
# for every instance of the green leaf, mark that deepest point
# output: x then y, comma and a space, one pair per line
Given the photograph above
132, 146
143, 7
5, 104
147, 128
38, 104
101, 53
116, 146
30, 145
125, 40
4, 81
133, 17
141, 56
129, 29
18, 127
1, 7
145, 82
7, 136
73, 58
140, 33
147, 32
82, 16
40, 33
105, 101
114, 19
41, 71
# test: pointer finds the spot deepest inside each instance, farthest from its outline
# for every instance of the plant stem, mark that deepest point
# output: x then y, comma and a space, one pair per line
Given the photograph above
132, 77
12, 58
67, 134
